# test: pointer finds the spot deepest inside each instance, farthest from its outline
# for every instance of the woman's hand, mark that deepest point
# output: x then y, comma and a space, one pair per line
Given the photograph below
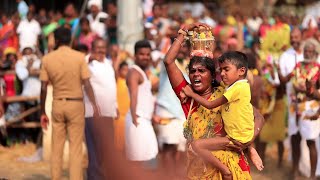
237, 146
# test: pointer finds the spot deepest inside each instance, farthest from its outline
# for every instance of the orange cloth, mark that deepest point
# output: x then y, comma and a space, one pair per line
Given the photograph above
123, 107
11, 41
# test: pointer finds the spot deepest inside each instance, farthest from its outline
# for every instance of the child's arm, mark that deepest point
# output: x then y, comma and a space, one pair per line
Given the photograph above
208, 104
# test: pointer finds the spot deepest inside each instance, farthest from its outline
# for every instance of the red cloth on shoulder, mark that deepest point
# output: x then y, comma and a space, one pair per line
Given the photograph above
177, 90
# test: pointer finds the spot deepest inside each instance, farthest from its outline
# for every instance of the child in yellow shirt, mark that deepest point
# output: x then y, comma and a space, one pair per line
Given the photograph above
236, 109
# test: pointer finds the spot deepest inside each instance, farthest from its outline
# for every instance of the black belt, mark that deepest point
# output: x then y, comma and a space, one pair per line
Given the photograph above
69, 99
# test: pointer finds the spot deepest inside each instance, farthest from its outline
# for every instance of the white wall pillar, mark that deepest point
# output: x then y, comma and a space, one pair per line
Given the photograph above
130, 23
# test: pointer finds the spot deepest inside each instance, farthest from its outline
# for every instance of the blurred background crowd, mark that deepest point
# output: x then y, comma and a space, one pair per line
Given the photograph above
275, 35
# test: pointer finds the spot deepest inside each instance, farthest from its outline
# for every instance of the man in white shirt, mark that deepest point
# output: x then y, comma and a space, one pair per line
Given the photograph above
99, 132
28, 69
287, 63
29, 31
254, 22
97, 18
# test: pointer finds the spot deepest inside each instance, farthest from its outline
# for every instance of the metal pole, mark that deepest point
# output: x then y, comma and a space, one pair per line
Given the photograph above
83, 8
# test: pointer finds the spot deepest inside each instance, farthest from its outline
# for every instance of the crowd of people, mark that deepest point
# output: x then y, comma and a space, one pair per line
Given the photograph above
137, 104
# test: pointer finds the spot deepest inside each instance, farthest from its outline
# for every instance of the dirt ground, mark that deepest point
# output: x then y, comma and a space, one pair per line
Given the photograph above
12, 168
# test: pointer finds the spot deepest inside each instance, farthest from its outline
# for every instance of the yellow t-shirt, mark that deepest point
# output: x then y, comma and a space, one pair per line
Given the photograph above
237, 114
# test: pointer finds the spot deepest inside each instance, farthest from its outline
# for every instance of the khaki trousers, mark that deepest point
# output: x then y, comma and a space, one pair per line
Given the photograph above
67, 118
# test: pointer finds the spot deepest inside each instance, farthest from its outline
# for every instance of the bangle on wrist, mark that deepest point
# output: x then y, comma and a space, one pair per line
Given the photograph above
181, 44
184, 32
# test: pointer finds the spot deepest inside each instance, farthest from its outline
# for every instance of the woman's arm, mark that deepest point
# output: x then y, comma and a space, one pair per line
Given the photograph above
222, 143
174, 73
258, 122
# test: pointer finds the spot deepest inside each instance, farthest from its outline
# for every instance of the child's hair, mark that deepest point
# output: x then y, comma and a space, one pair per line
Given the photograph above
141, 44
236, 58
123, 64
84, 20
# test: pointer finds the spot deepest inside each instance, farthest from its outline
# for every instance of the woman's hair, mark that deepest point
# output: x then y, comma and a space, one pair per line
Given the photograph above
84, 20
206, 62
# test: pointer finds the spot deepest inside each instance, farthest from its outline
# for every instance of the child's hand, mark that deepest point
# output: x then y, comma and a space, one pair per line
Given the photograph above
183, 97
188, 91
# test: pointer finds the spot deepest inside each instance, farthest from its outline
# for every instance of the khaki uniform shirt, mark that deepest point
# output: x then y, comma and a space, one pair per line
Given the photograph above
65, 69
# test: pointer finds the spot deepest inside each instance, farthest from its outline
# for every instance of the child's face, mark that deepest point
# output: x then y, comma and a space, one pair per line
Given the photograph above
230, 73
123, 71
85, 27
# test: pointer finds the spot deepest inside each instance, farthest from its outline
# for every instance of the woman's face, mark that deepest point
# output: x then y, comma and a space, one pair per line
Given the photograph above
201, 78
70, 11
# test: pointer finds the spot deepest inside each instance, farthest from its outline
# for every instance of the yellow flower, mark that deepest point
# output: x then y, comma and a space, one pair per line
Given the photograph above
202, 36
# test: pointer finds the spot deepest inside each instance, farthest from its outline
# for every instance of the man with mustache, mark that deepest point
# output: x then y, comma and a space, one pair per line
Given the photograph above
99, 142
308, 107
287, 63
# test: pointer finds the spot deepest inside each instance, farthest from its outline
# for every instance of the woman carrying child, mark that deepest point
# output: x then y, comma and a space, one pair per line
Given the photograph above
203, 123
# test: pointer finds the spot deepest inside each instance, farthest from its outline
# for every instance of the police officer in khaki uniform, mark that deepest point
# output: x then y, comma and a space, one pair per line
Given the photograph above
67, 72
